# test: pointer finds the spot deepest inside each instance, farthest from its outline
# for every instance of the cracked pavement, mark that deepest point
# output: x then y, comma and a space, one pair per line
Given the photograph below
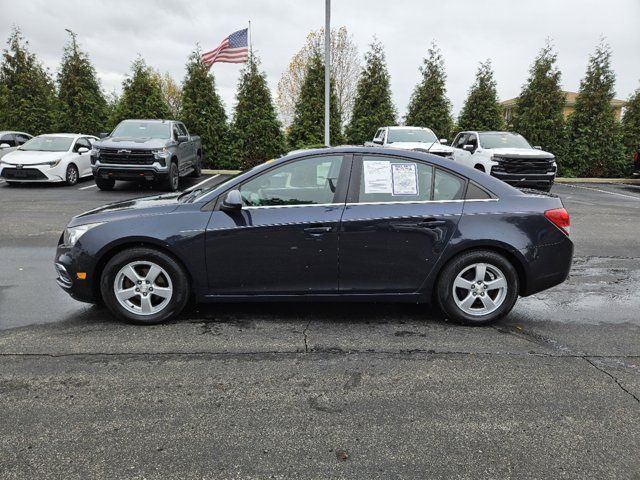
322, 390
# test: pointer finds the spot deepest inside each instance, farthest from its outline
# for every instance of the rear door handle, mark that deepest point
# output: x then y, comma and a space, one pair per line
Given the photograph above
318, 230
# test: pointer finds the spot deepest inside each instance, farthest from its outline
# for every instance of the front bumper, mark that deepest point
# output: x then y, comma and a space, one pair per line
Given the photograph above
31, 173
542, 180
130, 172
68, 263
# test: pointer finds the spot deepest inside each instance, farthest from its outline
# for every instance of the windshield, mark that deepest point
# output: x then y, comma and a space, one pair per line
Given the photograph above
503, 140
411, 135
142, 130
48, 144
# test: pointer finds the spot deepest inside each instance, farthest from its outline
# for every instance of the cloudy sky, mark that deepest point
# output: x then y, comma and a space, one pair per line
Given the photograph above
509, 32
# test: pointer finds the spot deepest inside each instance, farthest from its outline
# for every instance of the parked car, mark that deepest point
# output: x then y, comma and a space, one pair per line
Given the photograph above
507, 156
348, 223
9, 141
159, 151
411, 138
56, 157
636, 162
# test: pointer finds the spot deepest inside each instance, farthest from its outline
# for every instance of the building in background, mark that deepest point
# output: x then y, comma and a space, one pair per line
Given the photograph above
569, 106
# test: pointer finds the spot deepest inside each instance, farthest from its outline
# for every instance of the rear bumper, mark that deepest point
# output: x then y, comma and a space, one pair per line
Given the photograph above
542, 180
548, 266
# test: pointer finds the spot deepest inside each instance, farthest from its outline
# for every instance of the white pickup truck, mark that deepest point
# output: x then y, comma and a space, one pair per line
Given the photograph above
411, 138
507, 156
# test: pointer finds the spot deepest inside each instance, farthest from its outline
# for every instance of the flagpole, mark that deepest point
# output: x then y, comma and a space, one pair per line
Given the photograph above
327, 72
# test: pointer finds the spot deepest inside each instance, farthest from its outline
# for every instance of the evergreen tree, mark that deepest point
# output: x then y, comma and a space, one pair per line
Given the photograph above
373, 107
538, 114
203, 112
27, 94
83, 108
594, 133
429, 106
141, 95
255, 131
631, 124
481, 110
307, 128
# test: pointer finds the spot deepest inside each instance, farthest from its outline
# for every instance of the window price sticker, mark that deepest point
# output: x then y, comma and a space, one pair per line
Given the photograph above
404, 179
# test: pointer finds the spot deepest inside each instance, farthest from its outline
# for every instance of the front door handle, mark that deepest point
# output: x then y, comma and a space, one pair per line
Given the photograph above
317, 230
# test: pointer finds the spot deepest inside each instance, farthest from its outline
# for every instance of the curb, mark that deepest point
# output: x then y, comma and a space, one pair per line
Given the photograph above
208, 171
631, 181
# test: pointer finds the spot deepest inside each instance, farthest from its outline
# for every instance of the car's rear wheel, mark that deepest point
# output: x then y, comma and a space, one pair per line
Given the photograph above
144, 286
478, 287
105, 183
71, 176
197, 168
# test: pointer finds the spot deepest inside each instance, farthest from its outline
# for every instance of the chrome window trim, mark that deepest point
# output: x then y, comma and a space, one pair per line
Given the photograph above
422, 202
255, 207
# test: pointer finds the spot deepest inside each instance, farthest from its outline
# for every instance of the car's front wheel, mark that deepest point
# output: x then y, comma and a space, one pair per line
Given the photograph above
478, 287
71, 176
105, 183
144, 286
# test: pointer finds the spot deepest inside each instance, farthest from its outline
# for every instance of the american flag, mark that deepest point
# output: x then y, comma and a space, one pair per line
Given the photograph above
233, 49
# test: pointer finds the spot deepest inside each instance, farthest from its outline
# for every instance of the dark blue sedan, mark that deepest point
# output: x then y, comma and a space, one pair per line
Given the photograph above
353, 223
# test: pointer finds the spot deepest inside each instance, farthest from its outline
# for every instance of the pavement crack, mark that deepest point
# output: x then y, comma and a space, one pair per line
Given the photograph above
304, 334
612, 377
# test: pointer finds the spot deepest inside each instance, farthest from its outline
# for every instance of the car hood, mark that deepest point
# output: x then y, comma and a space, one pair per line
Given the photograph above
437, 147
520, 152
21, 157
127, 142
155, 205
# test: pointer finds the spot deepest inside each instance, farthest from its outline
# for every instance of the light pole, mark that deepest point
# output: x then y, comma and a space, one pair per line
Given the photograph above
327, 72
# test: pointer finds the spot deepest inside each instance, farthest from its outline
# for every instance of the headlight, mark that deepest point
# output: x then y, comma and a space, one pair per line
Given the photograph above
54, 163
73, 234
95, 152
161, 153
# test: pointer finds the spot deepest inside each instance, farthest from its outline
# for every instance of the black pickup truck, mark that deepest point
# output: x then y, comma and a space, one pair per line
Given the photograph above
159, 151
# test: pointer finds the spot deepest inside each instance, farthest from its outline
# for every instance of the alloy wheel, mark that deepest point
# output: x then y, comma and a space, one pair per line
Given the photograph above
143, 287
479, 289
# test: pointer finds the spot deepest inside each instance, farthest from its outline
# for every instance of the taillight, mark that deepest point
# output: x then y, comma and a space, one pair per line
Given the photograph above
560, 218
635, 156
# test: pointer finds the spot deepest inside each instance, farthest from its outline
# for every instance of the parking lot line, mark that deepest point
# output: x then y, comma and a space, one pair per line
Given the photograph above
88, 186
603, 191
204, 181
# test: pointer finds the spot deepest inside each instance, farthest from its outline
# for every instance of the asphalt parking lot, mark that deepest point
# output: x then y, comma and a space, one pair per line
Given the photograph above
316, 391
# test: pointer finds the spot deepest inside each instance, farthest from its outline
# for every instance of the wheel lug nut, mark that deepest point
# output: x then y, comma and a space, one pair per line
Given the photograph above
151, 289
139, 282
137, 289
145, 294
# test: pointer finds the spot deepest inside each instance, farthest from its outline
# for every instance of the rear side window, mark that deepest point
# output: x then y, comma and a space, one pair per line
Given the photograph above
474, 192
8, 139
390, 179
448, 186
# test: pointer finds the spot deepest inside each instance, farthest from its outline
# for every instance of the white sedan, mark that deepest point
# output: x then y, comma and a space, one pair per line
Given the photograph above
57, 157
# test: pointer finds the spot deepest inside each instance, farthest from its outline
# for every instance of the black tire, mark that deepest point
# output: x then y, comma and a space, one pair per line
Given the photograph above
445, 292
13, 184
547, 188
177, 276
172, 181
71, 176
105, 183
197, 168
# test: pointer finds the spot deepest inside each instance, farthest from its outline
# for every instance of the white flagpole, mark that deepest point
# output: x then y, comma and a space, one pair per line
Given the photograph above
250, 46
327, 73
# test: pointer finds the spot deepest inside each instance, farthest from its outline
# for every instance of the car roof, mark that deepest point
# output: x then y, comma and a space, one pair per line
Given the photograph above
66, 135
150, 120
5, 132
407, 127
492, 184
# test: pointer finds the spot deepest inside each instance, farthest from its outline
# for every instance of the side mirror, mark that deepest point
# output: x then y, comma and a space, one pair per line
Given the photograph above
103, 135
82, 150
537, 147
444, 141
4, 145
183, 138
233, 201
469, 148
378, 141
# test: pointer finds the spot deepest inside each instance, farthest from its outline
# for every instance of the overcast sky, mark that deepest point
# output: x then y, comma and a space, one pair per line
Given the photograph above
509, 32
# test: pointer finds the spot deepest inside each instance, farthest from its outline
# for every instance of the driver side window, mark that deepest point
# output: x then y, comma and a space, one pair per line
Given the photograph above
309, 181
